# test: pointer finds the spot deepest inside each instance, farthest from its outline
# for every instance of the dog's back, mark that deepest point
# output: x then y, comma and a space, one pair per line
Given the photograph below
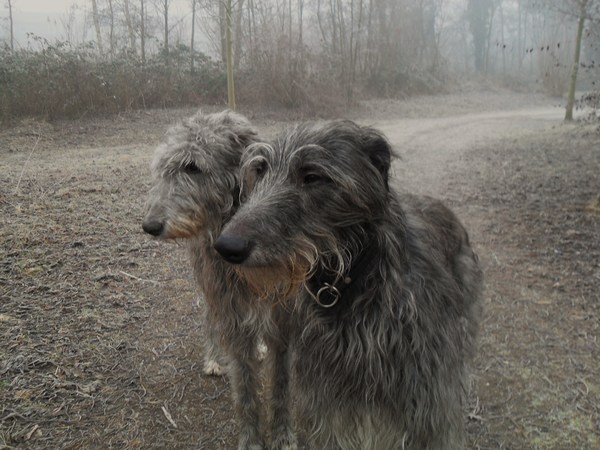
447, 233
393, 363
385, 314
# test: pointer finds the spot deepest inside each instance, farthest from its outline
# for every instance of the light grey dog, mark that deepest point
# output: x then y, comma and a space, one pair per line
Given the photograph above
195, 192
385, 288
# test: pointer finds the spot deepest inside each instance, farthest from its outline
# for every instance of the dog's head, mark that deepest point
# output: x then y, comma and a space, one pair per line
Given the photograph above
307, 199
195, 175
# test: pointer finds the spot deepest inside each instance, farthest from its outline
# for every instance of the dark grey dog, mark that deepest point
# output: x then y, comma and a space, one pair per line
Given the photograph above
194, 193
386, 288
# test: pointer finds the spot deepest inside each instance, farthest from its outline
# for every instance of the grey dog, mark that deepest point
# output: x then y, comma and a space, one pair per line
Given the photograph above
385, 288
194, 193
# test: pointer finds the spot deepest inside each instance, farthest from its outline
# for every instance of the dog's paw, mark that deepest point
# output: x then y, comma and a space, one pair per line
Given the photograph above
287, 446
213, 368
250, 438
285, 440
251, 446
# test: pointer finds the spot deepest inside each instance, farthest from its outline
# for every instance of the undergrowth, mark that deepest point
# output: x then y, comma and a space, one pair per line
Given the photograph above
60, 80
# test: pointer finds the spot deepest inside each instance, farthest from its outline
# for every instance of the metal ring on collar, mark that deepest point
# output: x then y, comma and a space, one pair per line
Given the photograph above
334, 292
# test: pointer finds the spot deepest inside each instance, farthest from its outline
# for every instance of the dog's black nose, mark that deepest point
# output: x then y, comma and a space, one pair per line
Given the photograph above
233, 249
153, 227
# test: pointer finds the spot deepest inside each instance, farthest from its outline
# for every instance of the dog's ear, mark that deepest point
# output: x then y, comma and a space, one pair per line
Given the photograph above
379, 151
241, 131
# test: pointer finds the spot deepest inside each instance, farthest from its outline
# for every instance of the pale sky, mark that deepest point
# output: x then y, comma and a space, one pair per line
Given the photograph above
41, 17
44, 6
46, 18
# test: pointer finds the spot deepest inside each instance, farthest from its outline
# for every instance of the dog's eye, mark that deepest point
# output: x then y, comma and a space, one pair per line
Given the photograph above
260, 168
191, 168
311, 178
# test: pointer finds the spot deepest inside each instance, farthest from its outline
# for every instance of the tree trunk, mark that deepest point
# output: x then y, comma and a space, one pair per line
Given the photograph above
334, 31
129, 23
166, 18
10, 19
229, 54
300, 23
369, 44
573, 81
290, 24
193, 36
252, 33
490, 26
520, 45
237, 48
503, 44
111, 35
320, 22
222, 29
97, 25
142, 33
355, 57
477, 11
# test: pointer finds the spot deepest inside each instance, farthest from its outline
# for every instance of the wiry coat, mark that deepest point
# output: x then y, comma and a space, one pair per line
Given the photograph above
194, 193
386, 319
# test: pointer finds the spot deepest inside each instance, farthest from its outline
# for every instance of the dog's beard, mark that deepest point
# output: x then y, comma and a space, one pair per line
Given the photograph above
184, 227
282, 279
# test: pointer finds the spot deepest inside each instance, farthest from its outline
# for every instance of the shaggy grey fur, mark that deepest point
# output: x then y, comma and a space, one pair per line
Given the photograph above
194, 193
385, 288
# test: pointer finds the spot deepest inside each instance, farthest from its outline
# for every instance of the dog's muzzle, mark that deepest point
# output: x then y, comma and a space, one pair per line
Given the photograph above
233, 249
153, 227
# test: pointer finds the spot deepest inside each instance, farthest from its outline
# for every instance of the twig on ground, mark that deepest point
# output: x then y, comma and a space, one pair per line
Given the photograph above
25, 164
33, 430
168, 416
138, 278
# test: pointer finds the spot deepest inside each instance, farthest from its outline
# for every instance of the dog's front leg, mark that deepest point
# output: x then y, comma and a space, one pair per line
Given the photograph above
282, 432
243, 373
213, 354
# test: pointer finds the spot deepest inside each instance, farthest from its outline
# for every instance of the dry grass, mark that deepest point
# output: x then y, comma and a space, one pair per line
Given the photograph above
536, 378
100, 330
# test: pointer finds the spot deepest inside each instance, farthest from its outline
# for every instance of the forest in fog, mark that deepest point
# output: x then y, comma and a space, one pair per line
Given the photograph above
115, 55
490, 106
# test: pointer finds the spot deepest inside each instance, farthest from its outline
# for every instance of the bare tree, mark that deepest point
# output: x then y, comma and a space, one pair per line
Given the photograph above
222, 29
165, 11
96, 19
142, 32
193, 36
229, 54
301, 22
574, 71
238, 33
111, 34
501, 45
480, 16
68, 24
520, 33
10, 20
129, 23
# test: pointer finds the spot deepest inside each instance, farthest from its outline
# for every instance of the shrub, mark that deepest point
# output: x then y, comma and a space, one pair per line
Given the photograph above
62, 81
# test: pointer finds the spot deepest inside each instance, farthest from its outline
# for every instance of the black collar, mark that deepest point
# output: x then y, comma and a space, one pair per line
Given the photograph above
328, 289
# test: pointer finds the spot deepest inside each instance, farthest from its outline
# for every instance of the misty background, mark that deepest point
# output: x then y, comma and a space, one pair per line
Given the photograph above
66, 58
101, 329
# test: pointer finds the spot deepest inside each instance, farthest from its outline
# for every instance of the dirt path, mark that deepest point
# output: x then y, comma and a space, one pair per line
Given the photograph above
518, 179
429, 147
100, 334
